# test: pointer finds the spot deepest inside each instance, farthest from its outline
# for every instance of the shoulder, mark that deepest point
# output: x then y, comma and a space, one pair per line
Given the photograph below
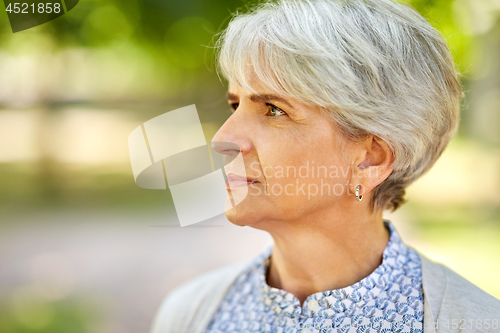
453, 297
190, 306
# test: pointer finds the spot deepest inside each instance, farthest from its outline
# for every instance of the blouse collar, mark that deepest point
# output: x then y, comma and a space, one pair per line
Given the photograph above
396, 263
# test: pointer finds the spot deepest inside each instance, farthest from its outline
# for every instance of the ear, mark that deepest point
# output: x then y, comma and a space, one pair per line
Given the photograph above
373, 163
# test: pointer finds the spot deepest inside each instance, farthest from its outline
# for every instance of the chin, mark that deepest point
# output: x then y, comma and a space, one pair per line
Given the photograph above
250, 216
251, 211
237, 217
245, 212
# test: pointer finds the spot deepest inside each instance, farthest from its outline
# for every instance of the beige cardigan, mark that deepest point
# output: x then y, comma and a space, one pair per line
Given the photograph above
453, 302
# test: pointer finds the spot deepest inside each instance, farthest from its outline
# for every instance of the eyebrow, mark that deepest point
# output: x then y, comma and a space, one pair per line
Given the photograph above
261, 98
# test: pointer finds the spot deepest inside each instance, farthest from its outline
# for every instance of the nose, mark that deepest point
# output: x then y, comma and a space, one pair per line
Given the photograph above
229, 150
233, 137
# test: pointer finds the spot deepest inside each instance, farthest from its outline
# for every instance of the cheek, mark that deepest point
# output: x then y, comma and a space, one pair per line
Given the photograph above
302, 184
302, 167
299, 177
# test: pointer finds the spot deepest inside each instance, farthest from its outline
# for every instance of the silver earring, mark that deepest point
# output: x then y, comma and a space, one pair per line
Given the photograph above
358, 197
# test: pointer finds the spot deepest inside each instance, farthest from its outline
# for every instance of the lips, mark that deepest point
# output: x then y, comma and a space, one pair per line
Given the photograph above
238, 181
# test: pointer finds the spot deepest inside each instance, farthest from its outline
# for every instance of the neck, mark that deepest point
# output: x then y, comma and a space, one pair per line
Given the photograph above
322, 253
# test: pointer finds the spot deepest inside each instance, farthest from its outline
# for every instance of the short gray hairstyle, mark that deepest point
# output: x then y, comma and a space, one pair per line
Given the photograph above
376, 66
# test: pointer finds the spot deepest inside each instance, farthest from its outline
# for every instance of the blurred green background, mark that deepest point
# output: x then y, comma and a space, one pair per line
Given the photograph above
74, 227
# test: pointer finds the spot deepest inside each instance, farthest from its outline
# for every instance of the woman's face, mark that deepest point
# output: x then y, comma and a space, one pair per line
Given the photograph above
289, 151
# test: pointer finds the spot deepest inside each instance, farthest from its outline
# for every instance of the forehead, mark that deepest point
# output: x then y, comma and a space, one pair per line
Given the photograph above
254, 88
248, 80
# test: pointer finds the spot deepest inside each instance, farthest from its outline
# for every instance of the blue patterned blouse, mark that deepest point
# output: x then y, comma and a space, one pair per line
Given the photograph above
390, 299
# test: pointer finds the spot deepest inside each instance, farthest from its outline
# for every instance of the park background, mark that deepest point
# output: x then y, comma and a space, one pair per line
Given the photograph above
83, 249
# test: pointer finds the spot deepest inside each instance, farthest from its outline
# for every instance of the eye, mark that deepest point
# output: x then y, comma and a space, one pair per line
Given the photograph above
275, 111
234, 106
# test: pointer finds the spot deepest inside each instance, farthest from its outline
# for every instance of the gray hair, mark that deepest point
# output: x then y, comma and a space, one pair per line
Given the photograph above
375, 66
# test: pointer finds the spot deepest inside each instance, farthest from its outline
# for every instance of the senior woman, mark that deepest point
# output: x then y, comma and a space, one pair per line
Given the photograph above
338, 105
